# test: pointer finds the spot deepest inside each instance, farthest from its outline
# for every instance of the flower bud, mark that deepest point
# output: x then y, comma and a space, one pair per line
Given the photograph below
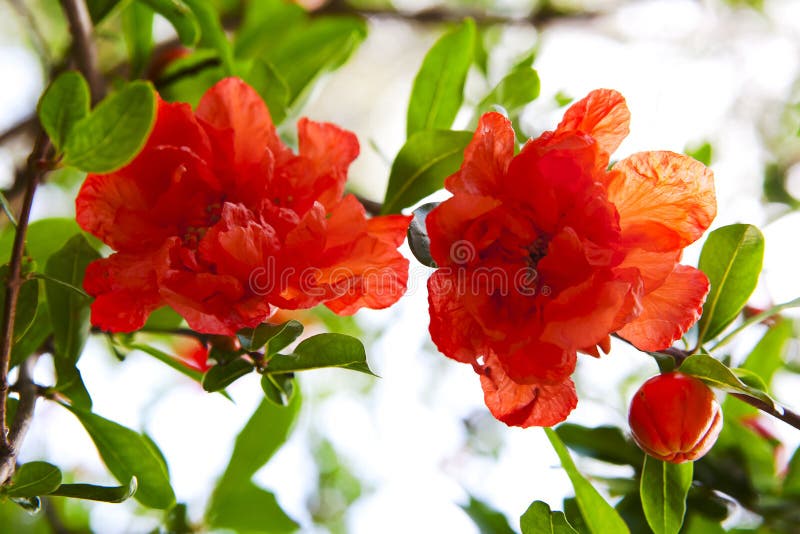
675, 418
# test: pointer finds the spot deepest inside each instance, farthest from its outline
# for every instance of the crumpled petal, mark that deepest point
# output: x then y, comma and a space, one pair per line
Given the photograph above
602, 114
486, 158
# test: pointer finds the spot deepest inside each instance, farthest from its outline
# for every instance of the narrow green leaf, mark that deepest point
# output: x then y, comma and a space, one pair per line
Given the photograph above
171, 361
128, 454
427, 158
717, 374
69, 310
520, 87
221, 376
599, 516
137, 28
279, 388
664, 487
539, 519
91, 492
322, 350
70, 384
271, 86
211, 33
731, 258
605, 443
33, 479
180, 16
114, 132
438, 89
279, 336
768, 355
63, 104
418, 239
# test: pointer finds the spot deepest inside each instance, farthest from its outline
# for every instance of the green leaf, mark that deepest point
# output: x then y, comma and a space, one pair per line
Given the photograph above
418, 239
164, 318
604, 443
128, 454
211, 33
520, 87
717, 374
45, 237
664, 487
487, 519
99, 9
137, 28
91, 492
245, 507
279, 336
749, 378
33, 337
33, 479
271, 86
266, 24
538, 519
180, 16
63, 104
279, 388
702, 153
171, 361
322, 350
768, 355
438, 89
114, 132
69, 310
427, 158
731, 258
27, 302
599, 516
70, 384
791, 482
223, 375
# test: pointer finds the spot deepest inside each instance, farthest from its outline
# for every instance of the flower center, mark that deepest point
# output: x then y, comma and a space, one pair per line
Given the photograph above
538, 249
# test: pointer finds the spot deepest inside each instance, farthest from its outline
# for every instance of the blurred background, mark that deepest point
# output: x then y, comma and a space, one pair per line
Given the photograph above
416, 450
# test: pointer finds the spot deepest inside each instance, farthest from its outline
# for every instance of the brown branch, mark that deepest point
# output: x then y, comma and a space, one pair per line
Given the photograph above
28, 393
83, 49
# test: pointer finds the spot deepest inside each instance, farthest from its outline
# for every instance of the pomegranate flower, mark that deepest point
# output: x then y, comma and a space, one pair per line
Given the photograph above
547, 252
218, 219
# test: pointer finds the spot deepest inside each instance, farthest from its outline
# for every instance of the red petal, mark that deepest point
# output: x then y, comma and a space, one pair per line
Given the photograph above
602, 114
539, 362
486, 158
448, 223
453, 329
669, 311
665, 200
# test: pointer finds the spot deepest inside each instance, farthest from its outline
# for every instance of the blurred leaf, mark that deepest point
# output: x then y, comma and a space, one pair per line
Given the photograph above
211, 33
180, 16
418, 239
791, 482
698, 524
605, 443
99, 9
279, 388
114, 494
128, 454
767, 356
599, 516
731, 258
487, 519
438, 89
221, 376
70, 384
322, 350
278, 336
27, 302
265, 24
775, 187
664, 487
717, 374
538, 519
33, 337
520, 87
271, 86
164, 318
244, 507
137, 28
427, 158
33, 479
702, 153
749, 378
63, 104
172, 361
114, 132
45, 237
562, 99
30, 504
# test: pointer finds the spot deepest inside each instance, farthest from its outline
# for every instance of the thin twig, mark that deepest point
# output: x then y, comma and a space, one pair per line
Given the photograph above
28, 393
83, 49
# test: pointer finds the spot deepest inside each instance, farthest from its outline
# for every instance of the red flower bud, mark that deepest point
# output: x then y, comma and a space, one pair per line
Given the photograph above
675, 418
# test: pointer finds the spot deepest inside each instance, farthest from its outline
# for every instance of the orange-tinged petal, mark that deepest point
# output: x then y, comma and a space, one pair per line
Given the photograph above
448, 224
602, 114
654, 267
669, 311
486, 158
526, 405
539, 363
665, 200
453, 329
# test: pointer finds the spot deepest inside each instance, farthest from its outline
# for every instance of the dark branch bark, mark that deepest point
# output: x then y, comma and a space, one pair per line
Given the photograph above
28, 393
83, 49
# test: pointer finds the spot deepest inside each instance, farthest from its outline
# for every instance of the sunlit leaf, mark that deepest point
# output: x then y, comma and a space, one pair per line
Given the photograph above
664, 487
539, 519
322, 350
717, 374
63, 104
520, 87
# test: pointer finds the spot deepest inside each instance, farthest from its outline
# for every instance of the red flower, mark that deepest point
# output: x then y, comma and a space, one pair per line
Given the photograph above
547, 252
217, 218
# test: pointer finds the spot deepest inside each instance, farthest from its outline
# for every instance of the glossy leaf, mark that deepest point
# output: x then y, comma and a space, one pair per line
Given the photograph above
717, 374
599, 516
279, 388
114, 132
731, 258
275, 336
33, 479
664, 487
114, 494
221, 376
211, 33
63, 104
427, 158
520, 87
180, 16
539, 519
69, 309
438, 89
128, 454
605, 443
322, 350
418, 240
137, 28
